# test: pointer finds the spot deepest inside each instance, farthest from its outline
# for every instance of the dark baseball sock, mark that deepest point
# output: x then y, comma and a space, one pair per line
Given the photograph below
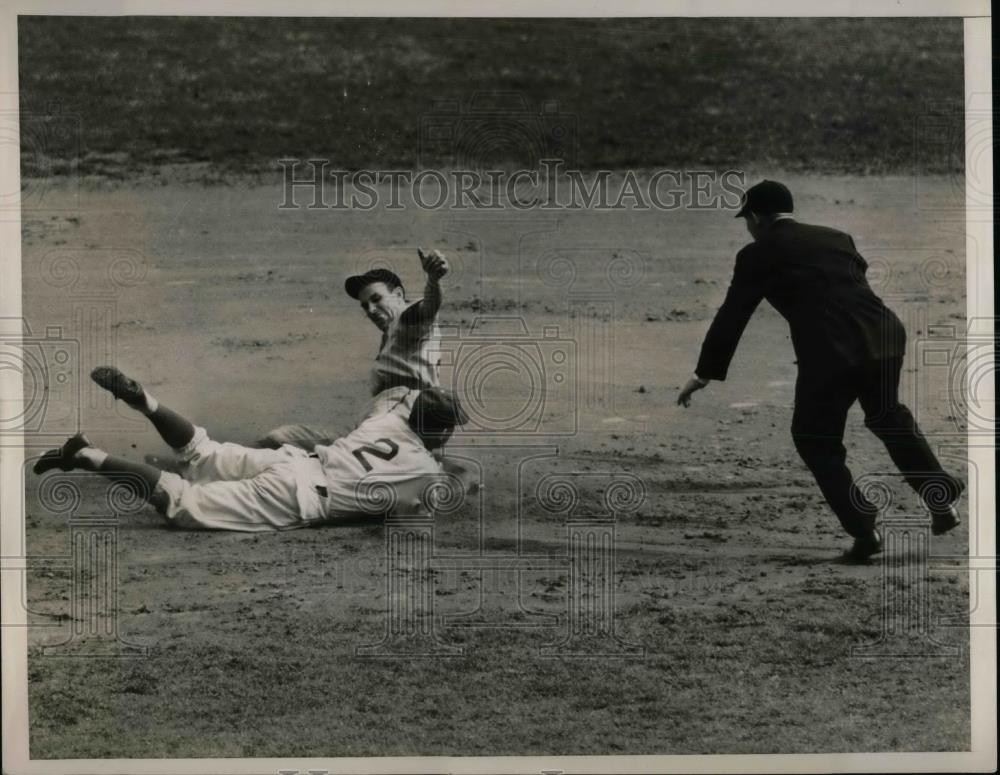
174, 429
141, 477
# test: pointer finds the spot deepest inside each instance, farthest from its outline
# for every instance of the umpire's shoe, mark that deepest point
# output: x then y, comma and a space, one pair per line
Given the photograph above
864, 547
944, 519
63, 458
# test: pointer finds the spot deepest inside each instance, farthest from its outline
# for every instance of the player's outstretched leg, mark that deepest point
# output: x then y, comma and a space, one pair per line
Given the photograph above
203, 459
79, 454
268, 500
175, 430
66, 458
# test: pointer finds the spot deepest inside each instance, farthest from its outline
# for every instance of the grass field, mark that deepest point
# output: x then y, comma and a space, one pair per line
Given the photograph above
819, 95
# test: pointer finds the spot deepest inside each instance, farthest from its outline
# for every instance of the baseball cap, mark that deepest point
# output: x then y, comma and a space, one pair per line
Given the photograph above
436, 409
766, 198
355, 283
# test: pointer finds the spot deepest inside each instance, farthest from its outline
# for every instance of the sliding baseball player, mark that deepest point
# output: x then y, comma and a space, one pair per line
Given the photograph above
407, 359
385, 465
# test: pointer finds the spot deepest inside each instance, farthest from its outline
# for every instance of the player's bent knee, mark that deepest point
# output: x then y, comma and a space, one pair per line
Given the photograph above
197, 445
268, 442
168, 497
297, 435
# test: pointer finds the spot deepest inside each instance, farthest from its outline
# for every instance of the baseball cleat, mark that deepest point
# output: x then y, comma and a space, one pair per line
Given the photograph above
864, 547
63, 458
943, 520
120, 386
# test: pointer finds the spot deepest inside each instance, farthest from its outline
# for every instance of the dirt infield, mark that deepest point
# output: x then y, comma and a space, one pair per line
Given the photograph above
735, 621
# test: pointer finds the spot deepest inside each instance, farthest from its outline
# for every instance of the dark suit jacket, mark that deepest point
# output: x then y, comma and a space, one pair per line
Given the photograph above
815, 277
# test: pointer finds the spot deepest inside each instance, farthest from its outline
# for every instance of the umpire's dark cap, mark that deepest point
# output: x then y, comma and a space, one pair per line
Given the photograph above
354, 284
436, 410
766, 198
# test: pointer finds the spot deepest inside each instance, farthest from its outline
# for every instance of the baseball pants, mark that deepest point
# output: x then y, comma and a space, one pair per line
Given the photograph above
307, 437
226, 486
821, 406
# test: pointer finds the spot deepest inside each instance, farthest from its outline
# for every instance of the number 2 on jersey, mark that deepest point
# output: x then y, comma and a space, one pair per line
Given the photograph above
382, 454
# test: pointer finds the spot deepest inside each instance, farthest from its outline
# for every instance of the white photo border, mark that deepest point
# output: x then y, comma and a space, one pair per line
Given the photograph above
980, 306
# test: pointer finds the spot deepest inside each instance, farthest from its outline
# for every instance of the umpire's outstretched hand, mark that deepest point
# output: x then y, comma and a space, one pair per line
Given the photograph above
693, 385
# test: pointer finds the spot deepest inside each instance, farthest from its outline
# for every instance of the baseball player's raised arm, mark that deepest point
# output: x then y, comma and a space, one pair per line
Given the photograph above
433, 297
435, 266
745, 293
422, 313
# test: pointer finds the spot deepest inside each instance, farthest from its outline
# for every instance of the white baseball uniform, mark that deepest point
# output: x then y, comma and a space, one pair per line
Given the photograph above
407, 362
381, 466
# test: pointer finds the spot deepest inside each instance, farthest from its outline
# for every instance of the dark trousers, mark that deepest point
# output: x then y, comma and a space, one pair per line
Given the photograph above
822, 402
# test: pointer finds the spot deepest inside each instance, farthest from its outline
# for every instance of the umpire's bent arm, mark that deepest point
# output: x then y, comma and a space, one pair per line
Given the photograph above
747, 289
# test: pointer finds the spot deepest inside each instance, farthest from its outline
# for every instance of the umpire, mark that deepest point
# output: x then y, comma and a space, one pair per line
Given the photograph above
849, 347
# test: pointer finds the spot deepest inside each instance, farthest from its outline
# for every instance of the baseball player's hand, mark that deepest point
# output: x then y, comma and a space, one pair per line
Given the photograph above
693, 385
434, 264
